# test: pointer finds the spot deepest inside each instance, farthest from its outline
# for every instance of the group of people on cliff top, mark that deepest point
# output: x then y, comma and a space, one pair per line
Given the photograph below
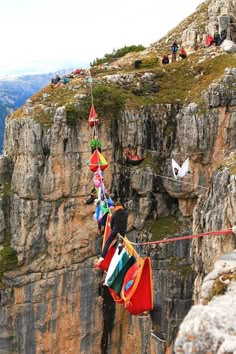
174, 50
215, 40
58, 81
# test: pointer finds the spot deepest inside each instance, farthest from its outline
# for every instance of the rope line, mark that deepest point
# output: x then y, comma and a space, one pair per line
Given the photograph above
189, 153
183, 182
166, 177
174, 239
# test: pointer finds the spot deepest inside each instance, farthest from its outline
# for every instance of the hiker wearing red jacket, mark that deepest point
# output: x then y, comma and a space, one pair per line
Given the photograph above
209, 40
183, 53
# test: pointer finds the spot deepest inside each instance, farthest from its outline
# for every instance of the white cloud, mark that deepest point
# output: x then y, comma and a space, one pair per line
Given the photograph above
44, 35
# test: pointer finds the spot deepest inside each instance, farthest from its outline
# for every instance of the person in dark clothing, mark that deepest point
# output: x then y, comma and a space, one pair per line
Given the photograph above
165, 59
93, 196
119, 222
108, 309
223, 35
217, 39
174, 49
56, 80
156, 318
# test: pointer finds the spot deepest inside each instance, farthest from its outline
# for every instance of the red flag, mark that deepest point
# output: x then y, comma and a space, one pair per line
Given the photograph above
93, 117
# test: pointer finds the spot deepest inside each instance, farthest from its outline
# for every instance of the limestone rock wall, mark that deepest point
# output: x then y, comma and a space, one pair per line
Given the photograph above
210, 325
219, 16
49, 301
214, 211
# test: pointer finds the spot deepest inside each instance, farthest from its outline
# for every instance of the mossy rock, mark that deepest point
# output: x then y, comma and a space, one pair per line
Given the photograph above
71, 114
6, 190
8, 259
109, 101
220, 285
179, 265
165, 226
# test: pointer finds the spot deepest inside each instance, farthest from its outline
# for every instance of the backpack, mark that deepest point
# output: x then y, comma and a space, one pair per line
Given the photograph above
174, 48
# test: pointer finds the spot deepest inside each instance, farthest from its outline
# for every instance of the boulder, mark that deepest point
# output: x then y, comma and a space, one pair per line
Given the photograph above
228, 46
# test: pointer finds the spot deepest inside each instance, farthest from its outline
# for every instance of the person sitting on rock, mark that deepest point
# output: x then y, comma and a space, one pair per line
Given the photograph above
183, 53
223, 35
209, 41
217, 39
55, 80
165, 59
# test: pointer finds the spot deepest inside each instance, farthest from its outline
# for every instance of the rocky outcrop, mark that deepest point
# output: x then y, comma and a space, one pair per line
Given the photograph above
213, 212
211, 326
49, 289
54, 286
210, 17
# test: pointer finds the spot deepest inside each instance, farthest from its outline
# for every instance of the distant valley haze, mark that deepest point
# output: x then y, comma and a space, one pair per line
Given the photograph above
15, 90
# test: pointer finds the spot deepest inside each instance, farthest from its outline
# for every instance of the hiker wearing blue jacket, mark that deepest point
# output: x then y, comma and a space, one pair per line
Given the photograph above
174, 49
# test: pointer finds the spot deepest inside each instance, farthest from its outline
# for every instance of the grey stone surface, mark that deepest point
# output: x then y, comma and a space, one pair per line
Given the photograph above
210, 327
49, 301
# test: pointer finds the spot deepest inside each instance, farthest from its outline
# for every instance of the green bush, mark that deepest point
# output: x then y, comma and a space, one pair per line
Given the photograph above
8, 259
108, 102
71, 114
117, 54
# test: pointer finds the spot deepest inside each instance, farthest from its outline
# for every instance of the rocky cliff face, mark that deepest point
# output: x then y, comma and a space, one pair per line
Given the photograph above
14, 91
49, 289
210, 325
210, 17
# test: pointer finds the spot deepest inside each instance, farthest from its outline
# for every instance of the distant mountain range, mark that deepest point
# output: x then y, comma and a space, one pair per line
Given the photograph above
14, 91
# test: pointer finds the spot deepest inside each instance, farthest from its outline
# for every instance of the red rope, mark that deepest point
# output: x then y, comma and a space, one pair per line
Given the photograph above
211, 233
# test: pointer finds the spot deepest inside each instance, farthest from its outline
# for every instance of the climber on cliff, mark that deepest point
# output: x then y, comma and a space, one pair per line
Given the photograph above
119, 222
108, 309
106, 205
93, 196
156, 318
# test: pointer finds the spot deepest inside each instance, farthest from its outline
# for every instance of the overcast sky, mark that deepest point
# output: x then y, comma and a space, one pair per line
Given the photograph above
39, 36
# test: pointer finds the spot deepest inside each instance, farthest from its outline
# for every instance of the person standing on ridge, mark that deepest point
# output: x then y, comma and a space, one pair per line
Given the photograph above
174, 49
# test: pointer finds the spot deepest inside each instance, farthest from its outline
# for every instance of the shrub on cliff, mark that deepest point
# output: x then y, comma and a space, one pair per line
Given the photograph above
108, 101
8, 260
117, 54
71, 114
